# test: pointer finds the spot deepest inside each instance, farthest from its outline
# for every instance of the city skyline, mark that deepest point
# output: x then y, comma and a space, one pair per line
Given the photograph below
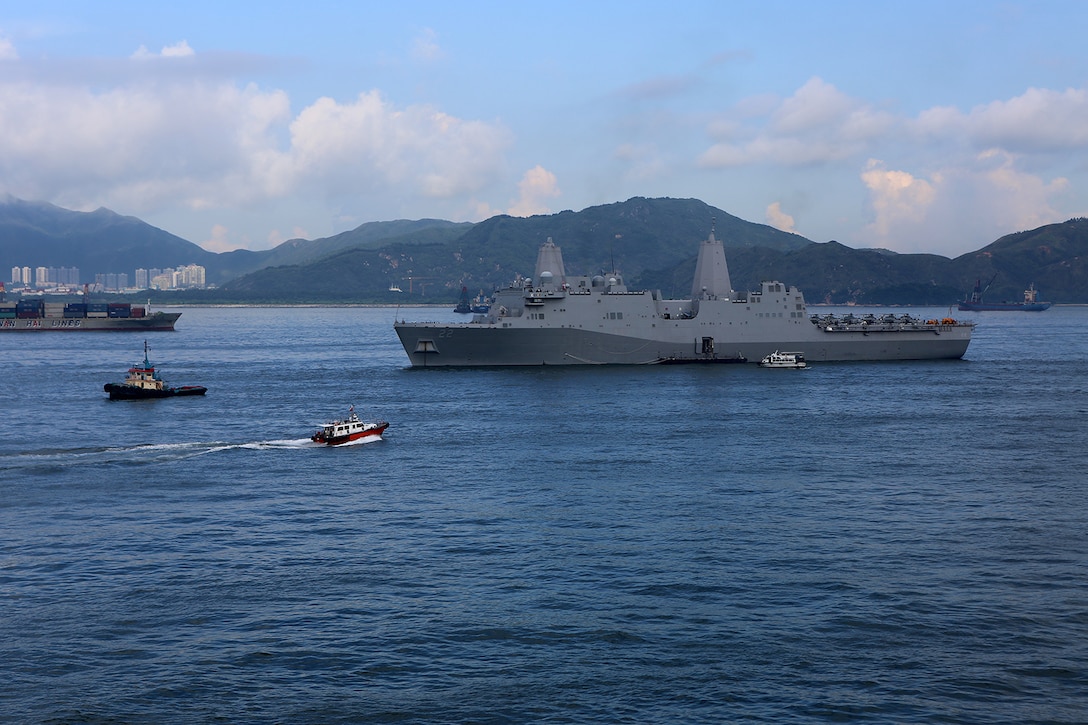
190, 276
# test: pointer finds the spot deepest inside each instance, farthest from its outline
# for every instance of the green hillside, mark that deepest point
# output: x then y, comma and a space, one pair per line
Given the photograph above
653, 242
40, 234
1053, 257
635, 235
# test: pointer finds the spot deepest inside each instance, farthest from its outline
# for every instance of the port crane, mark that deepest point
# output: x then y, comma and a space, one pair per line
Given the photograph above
976, 294
423, 282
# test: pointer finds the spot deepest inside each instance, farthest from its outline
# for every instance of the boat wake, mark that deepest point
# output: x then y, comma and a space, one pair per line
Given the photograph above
278, 444
53, 459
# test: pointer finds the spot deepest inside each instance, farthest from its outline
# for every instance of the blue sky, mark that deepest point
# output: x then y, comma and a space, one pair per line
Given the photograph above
913, 126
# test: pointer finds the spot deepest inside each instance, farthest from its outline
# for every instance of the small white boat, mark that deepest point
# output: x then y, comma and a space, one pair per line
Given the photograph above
791, 360
348, 430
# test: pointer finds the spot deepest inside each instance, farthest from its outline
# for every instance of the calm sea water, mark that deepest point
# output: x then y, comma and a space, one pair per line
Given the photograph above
885, 542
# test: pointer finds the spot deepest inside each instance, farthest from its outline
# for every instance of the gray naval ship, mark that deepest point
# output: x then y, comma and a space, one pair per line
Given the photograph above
553, 319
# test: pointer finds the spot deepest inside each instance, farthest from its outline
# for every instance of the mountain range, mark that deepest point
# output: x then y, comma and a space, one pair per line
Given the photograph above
653, 242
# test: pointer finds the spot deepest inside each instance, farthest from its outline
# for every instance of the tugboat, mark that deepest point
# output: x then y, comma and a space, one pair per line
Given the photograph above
143, 381
348, 430
791, 360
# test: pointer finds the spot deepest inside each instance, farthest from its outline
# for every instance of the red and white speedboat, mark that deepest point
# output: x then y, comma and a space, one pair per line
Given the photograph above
349, 430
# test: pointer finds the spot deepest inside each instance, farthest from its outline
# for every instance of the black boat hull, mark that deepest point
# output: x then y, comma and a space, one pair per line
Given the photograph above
118, 391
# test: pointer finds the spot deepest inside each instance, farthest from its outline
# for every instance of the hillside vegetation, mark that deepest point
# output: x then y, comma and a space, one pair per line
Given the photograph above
653, 242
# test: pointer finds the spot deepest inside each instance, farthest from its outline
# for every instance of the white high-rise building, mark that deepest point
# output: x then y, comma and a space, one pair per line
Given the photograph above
66, 276
16, 275
192, 276
189, 276
41, 276
26, 276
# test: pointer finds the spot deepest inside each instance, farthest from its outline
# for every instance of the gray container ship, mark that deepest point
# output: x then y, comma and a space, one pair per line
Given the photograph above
553, 319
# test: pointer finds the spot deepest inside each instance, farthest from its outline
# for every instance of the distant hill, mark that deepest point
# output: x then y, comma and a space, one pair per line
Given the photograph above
653, 242
38, 234
832, 273
367, 236
1053, 257
633, 236
296, 252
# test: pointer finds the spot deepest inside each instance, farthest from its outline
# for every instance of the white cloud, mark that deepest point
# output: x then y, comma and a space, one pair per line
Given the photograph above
222, 239
138, 146
640, 162
779, 219
180, 49
276, 237
815, 105
1039, 120
480, 210
535, 186
7, 50
899, 201
173, 127
425, 47
219, 240
950, 180
817, 124
956, 209
164, 137
370, 144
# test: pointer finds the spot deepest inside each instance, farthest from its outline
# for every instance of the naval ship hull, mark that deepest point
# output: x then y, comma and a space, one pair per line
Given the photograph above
470, 344
554, 319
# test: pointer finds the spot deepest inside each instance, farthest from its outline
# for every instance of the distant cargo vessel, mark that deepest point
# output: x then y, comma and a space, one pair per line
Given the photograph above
1030, 303
554, 319
37, 315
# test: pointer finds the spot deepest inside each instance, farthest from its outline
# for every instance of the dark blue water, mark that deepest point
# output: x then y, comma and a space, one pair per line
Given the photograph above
886, 542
